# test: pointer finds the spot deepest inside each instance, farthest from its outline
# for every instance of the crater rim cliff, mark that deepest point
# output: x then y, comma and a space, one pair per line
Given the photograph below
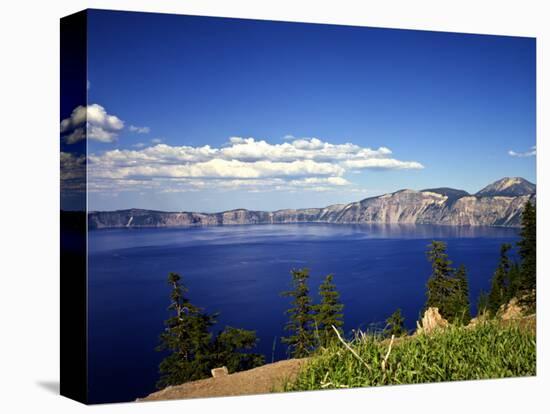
498, 204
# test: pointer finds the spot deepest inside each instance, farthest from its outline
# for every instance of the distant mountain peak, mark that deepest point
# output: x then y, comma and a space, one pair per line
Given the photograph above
509, 187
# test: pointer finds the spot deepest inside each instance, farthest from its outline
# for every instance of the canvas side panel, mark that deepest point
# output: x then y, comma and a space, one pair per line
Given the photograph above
73, 185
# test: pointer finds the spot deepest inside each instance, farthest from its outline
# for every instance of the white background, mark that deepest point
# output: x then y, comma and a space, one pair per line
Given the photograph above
29, 162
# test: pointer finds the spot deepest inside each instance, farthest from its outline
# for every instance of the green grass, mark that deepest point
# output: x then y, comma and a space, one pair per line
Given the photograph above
489, 350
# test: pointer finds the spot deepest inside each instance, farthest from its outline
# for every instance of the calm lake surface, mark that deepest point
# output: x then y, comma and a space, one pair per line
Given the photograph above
240, 271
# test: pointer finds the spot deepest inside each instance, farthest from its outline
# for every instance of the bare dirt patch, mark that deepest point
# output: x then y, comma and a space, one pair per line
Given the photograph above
261, 380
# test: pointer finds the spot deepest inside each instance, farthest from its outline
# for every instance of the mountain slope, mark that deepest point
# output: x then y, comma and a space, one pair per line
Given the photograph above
443, 206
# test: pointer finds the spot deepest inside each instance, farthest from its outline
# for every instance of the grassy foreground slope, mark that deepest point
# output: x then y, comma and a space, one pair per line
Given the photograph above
490, 349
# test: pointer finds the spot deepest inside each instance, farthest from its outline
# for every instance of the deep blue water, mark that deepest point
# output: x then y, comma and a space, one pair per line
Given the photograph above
239, 271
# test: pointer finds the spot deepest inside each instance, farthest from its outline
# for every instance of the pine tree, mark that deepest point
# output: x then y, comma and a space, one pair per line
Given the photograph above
514, 282
300, 325
528, 254
439, 286
231, 348
462, 296
186, 337
193, 351
447, 289
395, 324
329, 312
499, 293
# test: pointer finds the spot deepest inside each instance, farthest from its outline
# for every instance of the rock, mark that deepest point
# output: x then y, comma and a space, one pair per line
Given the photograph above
475, 321
478, 320
431, 321
511, 311
219, 372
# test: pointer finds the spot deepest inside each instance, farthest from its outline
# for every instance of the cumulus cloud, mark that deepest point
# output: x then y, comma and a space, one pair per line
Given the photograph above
121, 164
305, 163
139, 129
248, 149
531, 153
91, 122
73, 172
76, 135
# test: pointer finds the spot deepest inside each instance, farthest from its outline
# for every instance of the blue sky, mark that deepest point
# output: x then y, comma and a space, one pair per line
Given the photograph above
209, 114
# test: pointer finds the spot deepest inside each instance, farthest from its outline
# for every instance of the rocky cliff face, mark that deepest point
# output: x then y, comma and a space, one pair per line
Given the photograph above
443, 206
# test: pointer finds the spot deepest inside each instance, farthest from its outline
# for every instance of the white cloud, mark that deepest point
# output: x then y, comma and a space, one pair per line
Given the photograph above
72, 166
383, 163
331, 181
531, 153
139, 130
305, 164
92, 122
248, 149
73, 172
76, 135
121, 164
156, 140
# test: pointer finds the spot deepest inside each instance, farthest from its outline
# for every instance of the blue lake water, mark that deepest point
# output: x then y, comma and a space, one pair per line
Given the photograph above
240, 271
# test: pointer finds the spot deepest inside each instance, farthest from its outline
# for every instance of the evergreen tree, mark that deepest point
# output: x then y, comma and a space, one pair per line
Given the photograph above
462, 296
514, 282
329, 312
193, 351
300, 324
231, 348
499, 293
439, 285
528, 254
447, 289
395, 324
186, 337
